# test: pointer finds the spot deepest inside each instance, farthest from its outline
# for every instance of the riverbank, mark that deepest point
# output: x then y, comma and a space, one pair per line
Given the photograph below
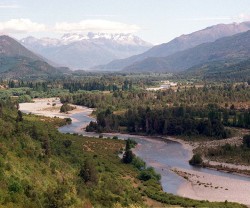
213, 188
50, 107
162, 153
201, 146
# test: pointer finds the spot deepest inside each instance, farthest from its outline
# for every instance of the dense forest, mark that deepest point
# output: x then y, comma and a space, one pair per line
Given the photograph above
186, 111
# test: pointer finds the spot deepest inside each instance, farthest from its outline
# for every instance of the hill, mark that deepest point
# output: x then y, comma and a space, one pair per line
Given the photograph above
222, 70
16, 61
209, 34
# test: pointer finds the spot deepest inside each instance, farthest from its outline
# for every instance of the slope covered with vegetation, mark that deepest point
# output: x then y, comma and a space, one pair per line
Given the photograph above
40, 167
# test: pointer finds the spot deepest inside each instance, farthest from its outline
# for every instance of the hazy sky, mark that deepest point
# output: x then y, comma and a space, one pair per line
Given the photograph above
156, 21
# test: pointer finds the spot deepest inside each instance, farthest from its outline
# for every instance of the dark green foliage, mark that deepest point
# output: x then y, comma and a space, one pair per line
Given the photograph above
14, 186
88, 172
196, 160
128, 154
19, 116
246, 141
149, 173
56, 198
66, 107
68, 120
67, 143
138, 163
237, 154
170, 121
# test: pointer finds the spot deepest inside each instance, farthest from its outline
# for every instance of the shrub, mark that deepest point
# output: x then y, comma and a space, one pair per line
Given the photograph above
196, 160
88, 172
68, 120
115, 137
14, 187
246, 141
128, 156
67, 143
66, 107
139, 163
148, 174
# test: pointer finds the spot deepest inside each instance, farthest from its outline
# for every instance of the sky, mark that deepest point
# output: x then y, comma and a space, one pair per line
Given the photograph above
156, 21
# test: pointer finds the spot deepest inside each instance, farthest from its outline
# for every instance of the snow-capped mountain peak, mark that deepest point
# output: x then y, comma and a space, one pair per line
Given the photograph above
121, 38
41, 42
77, 50
68, 38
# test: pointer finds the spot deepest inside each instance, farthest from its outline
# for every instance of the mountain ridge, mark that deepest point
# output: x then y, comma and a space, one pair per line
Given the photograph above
181, 43
16, 61
236, 47
86, 50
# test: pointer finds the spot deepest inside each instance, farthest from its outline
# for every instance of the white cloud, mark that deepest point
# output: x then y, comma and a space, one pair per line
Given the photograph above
96, 26
9, 6
241, 17
21, 26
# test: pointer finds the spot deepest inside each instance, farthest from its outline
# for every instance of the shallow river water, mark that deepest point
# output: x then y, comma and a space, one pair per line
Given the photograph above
162, 154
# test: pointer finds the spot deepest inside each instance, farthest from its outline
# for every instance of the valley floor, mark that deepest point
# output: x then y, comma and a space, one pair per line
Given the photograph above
198, 185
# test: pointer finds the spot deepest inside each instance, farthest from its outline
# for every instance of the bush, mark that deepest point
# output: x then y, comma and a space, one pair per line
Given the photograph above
196, 160
148, 174
15, 187
68, 120
246, 141
139, 163
88, 172
66, 107
115, 137
67, 143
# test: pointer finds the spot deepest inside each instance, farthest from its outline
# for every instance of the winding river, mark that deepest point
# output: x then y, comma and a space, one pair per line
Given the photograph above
162, 154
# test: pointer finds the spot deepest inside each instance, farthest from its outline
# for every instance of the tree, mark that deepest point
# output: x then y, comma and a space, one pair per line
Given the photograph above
88, 172
128, 154
1, 110
19, 116
246, 140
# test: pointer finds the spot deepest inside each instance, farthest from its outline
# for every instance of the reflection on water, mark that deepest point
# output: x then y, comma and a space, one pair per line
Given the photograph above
159, 153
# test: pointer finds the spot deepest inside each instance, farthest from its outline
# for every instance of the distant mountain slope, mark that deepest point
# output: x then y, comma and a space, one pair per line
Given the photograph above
84, 51
222, 70
10, 47
235, 48
181, 43
16, 61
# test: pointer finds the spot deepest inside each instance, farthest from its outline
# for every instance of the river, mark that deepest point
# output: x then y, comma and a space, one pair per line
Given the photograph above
162, 154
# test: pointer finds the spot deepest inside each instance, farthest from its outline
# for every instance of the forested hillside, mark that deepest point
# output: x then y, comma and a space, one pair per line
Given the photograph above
40, 167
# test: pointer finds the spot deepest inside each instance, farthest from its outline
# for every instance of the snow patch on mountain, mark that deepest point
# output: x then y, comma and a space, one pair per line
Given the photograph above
66, 39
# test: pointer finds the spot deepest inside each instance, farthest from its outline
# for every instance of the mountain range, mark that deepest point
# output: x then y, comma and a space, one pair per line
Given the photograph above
150, 59
233, 48
82, 51
223, 48
16, 61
